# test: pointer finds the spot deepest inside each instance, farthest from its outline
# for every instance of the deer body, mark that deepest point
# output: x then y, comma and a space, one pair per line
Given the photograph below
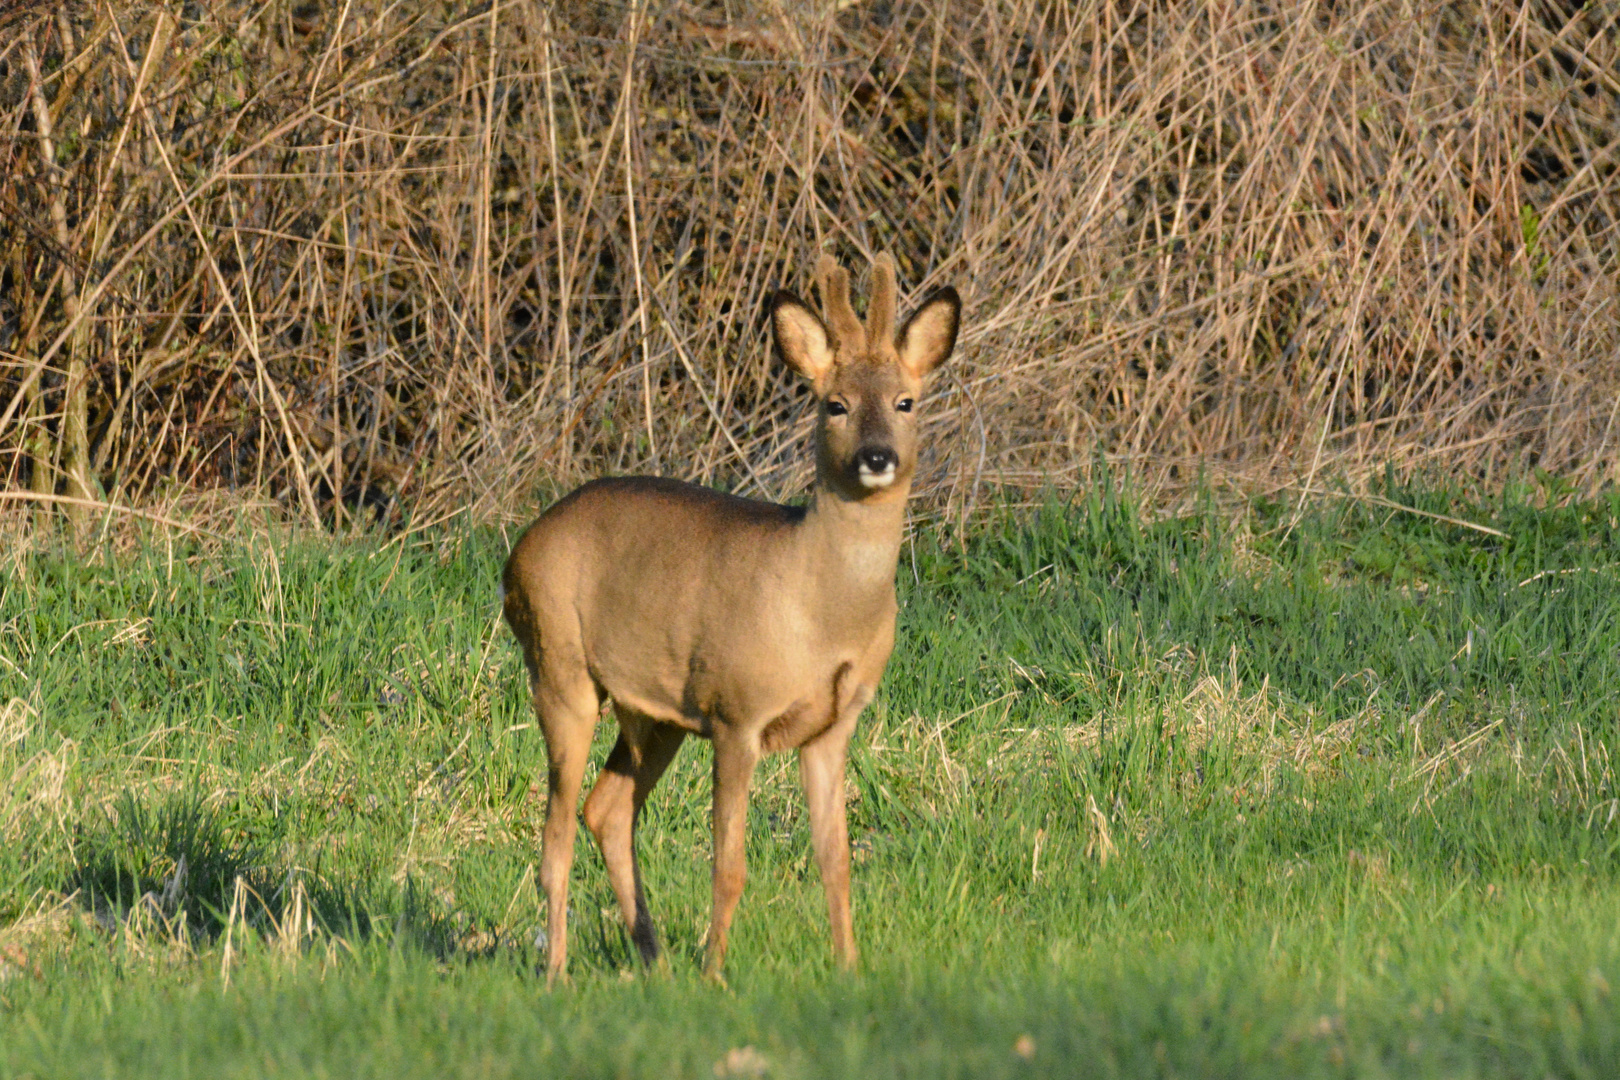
758, 626
760, 607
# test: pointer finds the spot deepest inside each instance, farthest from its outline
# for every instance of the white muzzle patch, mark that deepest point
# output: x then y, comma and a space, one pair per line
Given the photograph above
870, 479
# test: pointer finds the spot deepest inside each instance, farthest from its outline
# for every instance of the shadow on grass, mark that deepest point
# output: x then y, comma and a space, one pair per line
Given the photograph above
176, 865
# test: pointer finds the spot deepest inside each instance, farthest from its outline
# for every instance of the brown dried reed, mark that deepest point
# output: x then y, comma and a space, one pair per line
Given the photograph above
363, 256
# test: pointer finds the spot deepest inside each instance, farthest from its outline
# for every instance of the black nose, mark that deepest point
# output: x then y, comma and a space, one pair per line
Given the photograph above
878, 459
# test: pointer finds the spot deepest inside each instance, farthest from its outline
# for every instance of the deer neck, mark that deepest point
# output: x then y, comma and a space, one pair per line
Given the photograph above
853, 545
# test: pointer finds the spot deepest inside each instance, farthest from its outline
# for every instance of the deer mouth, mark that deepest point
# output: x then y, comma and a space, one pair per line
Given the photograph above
875, 478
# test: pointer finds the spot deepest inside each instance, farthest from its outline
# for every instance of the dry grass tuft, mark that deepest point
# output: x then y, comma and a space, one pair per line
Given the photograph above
37, 933
366, 256
33, 782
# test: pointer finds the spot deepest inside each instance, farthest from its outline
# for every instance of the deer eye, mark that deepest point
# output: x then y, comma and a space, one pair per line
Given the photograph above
903, 405
837, 408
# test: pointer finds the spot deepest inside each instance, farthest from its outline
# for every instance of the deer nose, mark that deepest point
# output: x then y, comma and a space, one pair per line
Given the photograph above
877, 459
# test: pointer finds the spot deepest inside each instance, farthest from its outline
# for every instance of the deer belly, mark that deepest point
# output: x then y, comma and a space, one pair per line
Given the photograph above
764, 682
797, 726
783, 720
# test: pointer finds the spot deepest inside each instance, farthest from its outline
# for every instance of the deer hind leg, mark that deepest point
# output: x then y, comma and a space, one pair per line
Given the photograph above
644, 750
566, 705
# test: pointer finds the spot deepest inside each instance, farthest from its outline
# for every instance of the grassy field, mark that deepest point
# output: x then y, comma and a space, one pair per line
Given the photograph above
1242, 792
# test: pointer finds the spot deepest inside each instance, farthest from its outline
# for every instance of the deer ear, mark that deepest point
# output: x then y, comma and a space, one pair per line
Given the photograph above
930, 334
800, 337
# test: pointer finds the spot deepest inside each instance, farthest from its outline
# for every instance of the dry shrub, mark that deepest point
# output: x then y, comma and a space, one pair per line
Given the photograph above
366, 256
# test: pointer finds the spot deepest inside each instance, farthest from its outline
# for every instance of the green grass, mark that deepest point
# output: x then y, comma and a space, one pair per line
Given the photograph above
1227, 794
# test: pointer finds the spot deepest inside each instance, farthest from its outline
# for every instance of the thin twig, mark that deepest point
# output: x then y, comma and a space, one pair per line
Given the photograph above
110, 508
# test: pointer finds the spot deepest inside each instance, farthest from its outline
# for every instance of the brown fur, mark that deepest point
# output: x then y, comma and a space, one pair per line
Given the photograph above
760, 627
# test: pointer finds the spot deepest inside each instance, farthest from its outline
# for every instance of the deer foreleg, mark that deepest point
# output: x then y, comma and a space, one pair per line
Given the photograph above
734, 760
821, 765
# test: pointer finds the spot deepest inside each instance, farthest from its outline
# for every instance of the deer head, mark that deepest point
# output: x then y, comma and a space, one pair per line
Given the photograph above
867, 379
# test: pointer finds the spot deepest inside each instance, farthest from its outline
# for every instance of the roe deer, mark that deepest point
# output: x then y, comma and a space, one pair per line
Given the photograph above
760, 627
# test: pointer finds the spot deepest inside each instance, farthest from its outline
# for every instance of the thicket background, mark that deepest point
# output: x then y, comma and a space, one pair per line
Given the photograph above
407, 258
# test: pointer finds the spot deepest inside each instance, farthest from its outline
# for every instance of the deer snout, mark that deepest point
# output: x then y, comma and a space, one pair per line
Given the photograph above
876, 466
